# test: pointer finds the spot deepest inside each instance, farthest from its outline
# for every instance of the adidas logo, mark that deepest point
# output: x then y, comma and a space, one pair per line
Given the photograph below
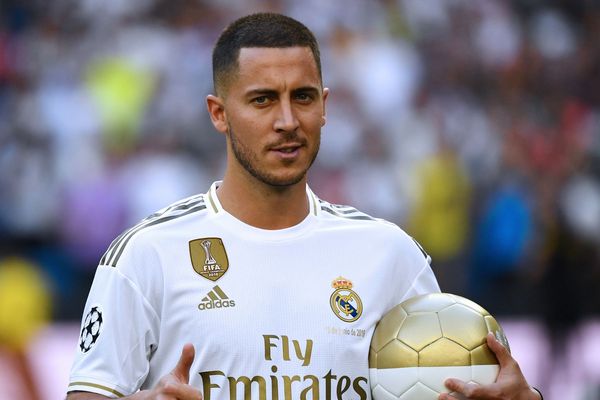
216, 298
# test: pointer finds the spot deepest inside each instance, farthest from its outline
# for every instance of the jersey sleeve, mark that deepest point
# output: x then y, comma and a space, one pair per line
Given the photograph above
414, 271
424, 282
118, 333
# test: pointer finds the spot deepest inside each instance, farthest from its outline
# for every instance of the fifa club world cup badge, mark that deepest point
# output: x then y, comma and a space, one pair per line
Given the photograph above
209, 257
344, 301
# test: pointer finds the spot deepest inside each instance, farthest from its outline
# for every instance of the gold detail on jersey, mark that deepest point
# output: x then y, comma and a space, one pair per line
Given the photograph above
215, 299
212, 202
345, 302
279, 385
341, 283
315, 202
209, 257
95, 385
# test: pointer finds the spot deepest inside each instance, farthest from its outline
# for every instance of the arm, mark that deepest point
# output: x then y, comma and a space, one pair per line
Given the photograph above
510, 384
173, 386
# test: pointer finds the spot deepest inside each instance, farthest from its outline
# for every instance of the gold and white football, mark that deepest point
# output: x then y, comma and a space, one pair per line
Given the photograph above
426, 339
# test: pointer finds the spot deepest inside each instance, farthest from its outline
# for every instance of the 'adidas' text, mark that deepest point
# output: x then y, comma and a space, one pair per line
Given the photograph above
216, 304
216, 298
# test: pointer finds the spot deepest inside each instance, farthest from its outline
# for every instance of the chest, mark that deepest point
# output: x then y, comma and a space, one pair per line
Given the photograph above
278, 301
287, 318
278, 285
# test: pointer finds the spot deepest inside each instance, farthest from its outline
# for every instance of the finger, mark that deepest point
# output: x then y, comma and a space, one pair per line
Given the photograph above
462, 387
455, 385
501, 352
182, 369
180, 391
446, 396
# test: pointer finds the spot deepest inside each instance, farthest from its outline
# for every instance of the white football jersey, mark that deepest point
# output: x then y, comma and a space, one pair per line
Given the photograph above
273, 314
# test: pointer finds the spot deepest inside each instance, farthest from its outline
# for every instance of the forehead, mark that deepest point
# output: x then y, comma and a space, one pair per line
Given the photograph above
275, 66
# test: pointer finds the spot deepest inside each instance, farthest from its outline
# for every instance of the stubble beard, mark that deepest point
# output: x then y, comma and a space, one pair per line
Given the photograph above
250, 162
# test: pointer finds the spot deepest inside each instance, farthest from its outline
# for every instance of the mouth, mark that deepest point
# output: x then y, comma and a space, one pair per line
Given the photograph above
287, 149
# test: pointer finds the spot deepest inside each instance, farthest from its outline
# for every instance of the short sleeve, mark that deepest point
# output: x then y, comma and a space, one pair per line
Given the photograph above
415, 271
118, 332
424, 282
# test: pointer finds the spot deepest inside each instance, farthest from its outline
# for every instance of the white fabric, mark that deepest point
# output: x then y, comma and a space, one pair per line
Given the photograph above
401, 383
277, 328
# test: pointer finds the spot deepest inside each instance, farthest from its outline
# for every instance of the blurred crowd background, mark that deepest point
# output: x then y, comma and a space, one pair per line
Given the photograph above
472, 124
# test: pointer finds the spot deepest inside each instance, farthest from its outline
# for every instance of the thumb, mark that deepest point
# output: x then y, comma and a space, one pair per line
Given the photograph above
502, 353
182, 369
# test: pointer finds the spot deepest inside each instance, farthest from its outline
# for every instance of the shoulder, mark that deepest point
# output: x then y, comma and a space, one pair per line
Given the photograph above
143, 233
345, 213
349, 218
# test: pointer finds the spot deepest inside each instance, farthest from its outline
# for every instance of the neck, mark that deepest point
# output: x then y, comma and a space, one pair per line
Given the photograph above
264, 206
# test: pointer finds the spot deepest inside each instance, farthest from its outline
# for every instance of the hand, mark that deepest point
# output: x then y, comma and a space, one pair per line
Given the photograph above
175, 385
510, 383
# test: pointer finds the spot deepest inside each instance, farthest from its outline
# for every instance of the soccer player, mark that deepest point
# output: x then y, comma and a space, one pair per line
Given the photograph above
256, 289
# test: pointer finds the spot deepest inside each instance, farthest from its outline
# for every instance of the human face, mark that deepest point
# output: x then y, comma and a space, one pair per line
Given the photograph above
272, 114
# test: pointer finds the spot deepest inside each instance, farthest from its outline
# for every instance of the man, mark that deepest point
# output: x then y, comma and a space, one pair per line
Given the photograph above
274, 292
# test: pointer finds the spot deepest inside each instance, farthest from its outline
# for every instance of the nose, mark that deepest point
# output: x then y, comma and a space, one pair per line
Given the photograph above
286, 120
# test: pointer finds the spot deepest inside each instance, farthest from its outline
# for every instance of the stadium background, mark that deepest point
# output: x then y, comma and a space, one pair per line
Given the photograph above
473, 124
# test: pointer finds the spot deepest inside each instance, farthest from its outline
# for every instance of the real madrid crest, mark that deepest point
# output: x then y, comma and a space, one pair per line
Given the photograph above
209, 257
344, 301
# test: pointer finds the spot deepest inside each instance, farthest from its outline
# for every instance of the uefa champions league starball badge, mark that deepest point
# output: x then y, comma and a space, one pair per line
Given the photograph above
90, 329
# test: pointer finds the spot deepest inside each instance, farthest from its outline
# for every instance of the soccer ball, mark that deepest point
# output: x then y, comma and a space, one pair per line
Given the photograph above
426, 339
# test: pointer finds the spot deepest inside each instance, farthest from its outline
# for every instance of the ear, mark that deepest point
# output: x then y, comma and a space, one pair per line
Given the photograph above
216, 111
324, 115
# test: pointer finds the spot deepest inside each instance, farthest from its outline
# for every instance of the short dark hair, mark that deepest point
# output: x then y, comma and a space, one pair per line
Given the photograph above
258, 30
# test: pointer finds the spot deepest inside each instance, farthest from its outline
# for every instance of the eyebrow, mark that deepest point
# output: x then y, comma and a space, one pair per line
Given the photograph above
271, 92
306, 89
261, 92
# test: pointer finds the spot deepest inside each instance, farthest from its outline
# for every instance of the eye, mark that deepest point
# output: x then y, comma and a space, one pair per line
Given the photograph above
304, 97
261, 100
